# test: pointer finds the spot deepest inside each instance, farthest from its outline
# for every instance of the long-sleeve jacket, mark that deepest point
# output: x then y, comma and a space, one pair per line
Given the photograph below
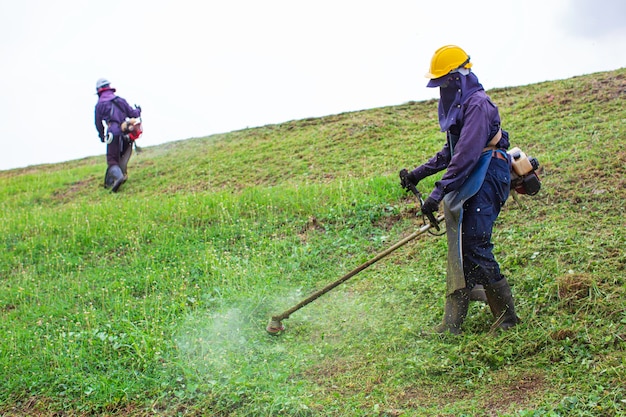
478, 121
112, 114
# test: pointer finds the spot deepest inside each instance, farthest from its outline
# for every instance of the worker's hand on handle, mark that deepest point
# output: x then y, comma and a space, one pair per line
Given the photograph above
407, 180
429, 207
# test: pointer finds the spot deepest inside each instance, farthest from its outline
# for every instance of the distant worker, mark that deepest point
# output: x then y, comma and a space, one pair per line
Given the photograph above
473, 189
119, 117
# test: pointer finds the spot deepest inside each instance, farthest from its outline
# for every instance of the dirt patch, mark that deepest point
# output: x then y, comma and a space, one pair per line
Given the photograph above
518, 391
607, 89
414, 397
312, 226
410, 211
511, 392
600, 89
387, 222
8, 307
67, 194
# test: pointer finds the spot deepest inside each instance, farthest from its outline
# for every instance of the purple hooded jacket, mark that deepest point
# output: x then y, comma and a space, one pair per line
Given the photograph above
113, 114
470, 120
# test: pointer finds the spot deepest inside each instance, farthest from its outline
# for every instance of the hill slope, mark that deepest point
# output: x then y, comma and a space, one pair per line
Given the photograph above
155, 300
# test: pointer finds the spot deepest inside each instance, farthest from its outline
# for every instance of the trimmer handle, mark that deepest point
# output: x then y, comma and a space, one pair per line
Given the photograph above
409, 186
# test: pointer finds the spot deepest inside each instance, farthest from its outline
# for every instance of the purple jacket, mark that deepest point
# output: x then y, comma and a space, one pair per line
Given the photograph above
476, 122
113, 114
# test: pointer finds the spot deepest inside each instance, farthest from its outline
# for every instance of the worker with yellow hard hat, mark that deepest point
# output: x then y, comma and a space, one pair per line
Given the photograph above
474, 187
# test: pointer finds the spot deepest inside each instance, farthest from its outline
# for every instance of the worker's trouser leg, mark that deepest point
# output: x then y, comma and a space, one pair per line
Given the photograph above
479, 214
118, 154
479, 264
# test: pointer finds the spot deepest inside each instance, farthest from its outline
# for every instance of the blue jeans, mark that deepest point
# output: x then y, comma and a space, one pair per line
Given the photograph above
479, 214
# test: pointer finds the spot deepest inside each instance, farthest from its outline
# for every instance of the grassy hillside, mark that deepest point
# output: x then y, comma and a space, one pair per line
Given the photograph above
154, 301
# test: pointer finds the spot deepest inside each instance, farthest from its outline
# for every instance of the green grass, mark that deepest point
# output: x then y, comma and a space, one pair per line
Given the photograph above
154, 301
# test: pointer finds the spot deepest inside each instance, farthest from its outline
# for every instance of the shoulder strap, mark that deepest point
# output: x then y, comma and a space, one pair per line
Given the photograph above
496, 138
118, 107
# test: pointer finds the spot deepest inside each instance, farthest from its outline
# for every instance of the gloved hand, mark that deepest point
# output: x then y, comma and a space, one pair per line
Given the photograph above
101, 138
407, 179
430, 206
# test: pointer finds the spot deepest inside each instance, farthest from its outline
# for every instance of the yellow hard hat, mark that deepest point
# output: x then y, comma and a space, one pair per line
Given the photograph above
447, 58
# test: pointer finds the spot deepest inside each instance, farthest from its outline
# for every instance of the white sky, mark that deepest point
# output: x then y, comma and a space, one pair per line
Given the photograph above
204, 67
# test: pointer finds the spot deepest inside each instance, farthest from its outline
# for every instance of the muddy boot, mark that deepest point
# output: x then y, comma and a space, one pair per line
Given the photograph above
455, 312
114, 178
500, 300
478, 294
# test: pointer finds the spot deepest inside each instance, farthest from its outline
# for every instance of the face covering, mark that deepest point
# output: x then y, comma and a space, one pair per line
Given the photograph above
453, 93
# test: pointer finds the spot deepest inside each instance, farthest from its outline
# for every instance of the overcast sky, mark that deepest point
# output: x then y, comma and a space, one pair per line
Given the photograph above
204, 67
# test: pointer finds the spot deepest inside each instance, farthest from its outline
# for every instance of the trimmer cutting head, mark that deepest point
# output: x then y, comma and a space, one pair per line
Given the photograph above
275, 327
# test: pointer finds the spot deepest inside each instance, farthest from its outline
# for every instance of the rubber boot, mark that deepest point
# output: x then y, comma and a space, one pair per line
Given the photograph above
500, 300
108, 179
455, 312
114, 178
478, 294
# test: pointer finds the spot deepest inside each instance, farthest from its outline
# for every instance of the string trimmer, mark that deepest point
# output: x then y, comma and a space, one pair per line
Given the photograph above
276, 326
